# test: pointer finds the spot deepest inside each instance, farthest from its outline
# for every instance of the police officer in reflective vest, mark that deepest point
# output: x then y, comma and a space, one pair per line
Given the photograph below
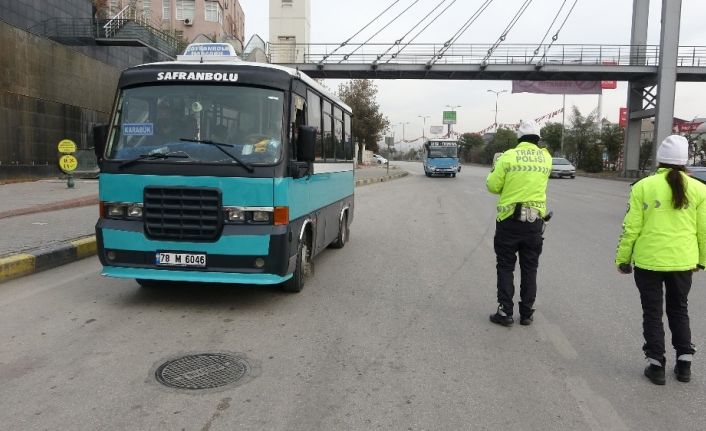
664, 235
520, 177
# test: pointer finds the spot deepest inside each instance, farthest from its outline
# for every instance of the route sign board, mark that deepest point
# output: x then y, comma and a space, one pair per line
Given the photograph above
66, 146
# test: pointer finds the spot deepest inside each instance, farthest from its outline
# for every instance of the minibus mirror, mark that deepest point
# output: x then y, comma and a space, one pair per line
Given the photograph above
306, 144
100, 136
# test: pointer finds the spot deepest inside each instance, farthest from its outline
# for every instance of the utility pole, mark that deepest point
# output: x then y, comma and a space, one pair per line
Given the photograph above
497, 93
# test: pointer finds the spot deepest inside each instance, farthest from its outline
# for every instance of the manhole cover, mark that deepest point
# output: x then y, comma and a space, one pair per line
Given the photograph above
202, 371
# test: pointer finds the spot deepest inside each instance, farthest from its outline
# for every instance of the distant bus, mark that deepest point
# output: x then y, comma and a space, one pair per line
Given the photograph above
441, 158
218, 170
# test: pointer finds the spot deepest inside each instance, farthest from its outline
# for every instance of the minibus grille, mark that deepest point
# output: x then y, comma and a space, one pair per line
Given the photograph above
182, 213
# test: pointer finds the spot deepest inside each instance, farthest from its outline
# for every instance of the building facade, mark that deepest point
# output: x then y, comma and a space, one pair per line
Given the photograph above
194, 20
290, 25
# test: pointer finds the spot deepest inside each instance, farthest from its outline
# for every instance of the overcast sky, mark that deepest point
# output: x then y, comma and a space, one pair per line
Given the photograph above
592, 22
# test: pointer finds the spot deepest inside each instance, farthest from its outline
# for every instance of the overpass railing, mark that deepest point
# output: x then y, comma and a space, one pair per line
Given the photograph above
518, 54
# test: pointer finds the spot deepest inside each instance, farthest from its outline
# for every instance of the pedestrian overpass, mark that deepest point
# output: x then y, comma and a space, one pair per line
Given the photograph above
471, 61
650, 70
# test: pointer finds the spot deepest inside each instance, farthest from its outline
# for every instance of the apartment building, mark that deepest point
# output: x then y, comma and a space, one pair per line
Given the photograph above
218, 20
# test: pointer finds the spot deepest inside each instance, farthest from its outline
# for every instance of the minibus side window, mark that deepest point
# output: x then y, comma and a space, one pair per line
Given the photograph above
314, 120
338, 133
298, 119
329, 153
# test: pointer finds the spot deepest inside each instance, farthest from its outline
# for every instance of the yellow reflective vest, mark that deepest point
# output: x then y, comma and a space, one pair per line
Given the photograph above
658, 237
520, 175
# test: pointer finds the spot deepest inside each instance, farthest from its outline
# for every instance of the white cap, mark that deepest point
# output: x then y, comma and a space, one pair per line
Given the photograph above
529, 128
674, 150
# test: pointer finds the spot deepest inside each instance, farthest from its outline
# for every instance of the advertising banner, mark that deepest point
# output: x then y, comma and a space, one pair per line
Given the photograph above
436, 130
557, 87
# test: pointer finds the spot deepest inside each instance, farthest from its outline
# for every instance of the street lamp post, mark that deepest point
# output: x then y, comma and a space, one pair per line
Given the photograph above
453, 109
424, 127
497, 94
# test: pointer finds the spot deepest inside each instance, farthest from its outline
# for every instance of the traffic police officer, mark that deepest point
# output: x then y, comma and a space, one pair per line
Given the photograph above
664, 235
520, 177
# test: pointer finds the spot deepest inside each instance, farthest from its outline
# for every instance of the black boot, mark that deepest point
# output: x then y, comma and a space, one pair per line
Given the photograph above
683, 371
656, 373
501, 317
526, 321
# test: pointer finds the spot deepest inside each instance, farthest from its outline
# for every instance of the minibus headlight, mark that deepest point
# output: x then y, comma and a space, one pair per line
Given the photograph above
116, 210
134, 211
260, 216
235, 215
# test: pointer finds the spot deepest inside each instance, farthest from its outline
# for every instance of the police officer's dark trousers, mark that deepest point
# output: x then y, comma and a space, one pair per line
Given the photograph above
677, 285
513, 237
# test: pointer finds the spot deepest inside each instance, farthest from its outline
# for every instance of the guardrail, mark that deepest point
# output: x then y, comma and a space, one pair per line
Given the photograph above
429, 53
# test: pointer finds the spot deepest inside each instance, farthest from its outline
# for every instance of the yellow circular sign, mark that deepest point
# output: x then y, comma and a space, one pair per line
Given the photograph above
67, 146
68, 163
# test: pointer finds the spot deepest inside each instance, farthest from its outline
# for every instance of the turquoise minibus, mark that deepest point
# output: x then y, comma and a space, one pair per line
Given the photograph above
213, 169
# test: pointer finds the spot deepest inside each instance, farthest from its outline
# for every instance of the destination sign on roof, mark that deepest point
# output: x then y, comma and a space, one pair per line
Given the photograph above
442, 144
210, 49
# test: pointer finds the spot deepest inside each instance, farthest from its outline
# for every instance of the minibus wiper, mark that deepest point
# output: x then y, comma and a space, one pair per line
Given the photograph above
152, 156
220, 146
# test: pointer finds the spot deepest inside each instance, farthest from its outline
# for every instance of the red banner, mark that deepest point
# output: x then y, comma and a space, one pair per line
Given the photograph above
623, 117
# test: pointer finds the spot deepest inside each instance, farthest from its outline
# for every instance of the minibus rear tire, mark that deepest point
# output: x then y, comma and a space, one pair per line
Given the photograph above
343, 232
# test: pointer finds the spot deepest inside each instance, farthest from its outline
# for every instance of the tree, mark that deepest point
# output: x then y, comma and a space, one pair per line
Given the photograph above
468, 144
503, 140
645, 154
593, 159
369, 124
612, 138
551, 135
582, 134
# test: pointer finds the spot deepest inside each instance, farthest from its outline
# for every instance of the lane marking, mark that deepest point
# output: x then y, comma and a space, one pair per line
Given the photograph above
555, 335
598, 411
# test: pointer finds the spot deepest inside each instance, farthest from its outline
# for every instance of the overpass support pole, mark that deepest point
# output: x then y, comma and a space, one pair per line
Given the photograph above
667, 75
636, 90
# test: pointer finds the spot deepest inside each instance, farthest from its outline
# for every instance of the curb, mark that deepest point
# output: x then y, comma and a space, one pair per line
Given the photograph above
366, 181
41, 259
71, 203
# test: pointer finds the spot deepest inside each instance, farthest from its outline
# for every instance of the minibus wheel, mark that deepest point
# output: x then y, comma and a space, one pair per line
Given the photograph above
342, 238
302, 269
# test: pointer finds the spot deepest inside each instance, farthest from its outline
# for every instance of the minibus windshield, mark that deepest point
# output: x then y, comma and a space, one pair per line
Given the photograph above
173, 119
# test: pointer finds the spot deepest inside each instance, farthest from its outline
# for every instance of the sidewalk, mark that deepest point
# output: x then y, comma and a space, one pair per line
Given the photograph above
45, 224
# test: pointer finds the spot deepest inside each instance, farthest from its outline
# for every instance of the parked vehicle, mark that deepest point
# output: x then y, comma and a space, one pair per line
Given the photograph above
562, 168
380, 159
698, 172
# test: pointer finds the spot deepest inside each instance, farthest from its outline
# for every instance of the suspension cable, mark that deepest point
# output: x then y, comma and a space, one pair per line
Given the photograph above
421, 31
556, 35
460, 32
536, 51
345, 57
399, 41
505, 32
359, 31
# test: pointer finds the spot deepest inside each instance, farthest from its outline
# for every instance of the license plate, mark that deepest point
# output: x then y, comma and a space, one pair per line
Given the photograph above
197, 260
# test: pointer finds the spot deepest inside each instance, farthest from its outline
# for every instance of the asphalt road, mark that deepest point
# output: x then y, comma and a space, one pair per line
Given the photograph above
391, 332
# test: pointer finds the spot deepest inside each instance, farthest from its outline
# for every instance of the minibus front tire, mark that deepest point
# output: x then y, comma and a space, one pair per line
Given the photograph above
302, 269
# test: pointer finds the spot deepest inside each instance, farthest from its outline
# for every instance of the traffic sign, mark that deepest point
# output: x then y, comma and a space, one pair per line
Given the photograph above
68, 163
449, 117
66, 146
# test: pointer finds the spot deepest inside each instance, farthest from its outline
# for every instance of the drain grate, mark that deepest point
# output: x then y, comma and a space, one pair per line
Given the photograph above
202, 371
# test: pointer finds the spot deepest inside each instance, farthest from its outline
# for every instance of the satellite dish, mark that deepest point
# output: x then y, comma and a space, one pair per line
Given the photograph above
196, 107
